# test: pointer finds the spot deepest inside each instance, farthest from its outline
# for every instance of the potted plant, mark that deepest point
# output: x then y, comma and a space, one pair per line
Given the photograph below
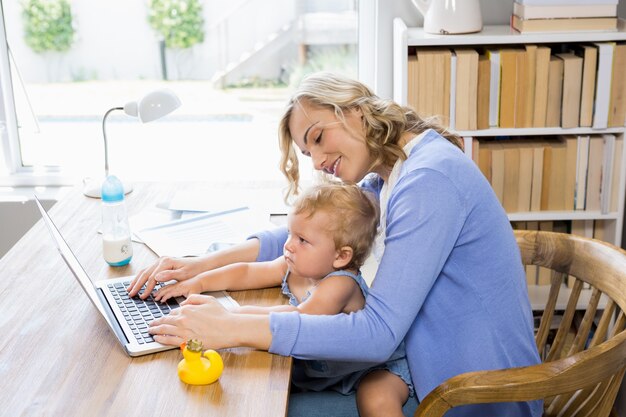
179, 25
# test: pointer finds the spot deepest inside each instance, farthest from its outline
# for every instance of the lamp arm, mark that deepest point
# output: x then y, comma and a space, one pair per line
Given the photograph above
104, 134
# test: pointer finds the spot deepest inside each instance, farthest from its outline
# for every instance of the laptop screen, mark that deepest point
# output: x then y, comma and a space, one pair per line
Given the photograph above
72, 262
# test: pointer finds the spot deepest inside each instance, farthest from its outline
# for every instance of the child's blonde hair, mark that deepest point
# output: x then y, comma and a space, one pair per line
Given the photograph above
385, 121
354, 216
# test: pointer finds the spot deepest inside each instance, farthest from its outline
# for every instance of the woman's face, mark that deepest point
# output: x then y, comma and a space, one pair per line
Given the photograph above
336, 148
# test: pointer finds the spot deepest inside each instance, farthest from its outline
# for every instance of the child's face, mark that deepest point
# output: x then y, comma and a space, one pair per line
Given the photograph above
310, 249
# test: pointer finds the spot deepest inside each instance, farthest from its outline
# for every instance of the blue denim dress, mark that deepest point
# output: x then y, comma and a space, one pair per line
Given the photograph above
341, 376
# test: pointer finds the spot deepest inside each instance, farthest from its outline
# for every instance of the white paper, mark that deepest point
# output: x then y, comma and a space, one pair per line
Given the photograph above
203, 233
269, 201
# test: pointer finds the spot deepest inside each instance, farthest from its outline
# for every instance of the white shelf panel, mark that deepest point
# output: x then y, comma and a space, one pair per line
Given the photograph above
504, 34
538, 131
541, 216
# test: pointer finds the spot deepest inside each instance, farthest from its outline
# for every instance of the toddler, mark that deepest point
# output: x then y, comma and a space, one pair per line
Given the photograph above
331, 231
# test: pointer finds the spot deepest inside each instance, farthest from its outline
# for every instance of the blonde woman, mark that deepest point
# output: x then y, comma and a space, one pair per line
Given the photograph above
450, 281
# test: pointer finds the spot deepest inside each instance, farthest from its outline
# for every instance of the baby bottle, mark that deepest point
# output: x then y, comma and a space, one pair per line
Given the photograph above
116, 244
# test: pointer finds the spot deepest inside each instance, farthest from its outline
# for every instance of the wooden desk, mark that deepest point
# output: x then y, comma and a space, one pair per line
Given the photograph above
60, 359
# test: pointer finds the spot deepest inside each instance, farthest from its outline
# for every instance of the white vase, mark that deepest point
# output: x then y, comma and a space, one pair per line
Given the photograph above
450, 16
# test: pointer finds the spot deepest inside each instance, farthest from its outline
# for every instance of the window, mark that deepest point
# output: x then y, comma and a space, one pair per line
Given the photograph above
233, 67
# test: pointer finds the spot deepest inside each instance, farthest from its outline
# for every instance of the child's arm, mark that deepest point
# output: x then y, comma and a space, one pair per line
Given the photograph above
238, 276
330, 297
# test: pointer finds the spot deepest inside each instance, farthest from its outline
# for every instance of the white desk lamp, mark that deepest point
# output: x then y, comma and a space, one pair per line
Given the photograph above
153, 106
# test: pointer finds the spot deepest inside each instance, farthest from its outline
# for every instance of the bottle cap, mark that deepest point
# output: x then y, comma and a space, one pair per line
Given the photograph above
112, 189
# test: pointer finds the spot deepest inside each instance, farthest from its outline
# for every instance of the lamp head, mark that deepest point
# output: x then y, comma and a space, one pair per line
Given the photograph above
153, 106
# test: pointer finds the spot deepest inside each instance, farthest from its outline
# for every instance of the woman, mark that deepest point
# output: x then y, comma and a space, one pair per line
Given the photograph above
450, 280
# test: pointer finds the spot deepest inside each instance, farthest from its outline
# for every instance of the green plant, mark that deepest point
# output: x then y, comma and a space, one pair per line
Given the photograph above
179, 22
48, 25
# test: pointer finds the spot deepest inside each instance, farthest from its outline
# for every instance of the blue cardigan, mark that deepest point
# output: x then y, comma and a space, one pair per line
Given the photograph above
450, 282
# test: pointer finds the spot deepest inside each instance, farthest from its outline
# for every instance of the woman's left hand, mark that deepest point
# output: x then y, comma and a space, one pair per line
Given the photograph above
202, 317
199, 317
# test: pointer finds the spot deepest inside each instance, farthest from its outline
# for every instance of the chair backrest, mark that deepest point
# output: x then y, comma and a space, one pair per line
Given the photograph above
583, 353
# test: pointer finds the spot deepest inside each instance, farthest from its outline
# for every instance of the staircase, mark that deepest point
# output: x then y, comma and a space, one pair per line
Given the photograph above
246, 36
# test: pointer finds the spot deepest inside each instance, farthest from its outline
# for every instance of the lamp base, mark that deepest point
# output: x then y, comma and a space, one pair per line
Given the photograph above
93, 187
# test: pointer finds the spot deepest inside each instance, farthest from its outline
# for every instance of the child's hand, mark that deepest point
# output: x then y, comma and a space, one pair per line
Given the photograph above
184, 288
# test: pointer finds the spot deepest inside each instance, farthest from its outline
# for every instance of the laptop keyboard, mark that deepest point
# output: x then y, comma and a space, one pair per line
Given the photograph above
137, 312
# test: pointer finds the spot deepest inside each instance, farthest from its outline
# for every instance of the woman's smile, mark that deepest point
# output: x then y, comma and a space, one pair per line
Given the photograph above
333, 169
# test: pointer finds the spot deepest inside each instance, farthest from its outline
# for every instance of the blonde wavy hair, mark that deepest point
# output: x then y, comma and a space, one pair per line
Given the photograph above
385, 121
353, 212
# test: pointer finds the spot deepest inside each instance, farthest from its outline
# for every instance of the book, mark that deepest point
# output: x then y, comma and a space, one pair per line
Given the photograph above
617, 103
557, 175
537, 177
555, 91
617, 169
475, 150
466, 88
497, 170
412, 78
589, 54
572, 80
603, 84
530, 76
564, 25
508, 86
607, 173
594, 172
483, 94
542, 62
571, 156
582, 160
484, 159
494, 87
545, 176
550, 11
524, 186
433, 93
452, 90
521, 88
510, 190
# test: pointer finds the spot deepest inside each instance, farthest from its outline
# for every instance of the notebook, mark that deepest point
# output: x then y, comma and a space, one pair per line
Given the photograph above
128, 318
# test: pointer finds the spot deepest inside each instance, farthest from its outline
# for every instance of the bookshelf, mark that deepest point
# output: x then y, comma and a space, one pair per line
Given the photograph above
406, 40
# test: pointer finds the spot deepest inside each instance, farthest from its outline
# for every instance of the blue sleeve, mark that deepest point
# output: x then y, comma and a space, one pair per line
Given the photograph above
424, 219
271, 243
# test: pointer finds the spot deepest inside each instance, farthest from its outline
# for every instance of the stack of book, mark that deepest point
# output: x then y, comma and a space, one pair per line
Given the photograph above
524, 86
562, 173
564, 15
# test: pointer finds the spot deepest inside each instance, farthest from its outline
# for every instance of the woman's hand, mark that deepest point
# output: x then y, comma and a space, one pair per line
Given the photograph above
163, 270
203, 317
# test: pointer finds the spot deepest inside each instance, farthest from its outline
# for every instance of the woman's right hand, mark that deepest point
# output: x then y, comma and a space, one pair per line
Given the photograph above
163, 270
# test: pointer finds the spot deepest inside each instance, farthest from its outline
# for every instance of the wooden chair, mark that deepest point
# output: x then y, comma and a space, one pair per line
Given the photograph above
578, 377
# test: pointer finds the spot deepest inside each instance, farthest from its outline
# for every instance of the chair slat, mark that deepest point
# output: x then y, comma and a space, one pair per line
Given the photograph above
603, 325
619, 324
546, 318
566, 323
582, 335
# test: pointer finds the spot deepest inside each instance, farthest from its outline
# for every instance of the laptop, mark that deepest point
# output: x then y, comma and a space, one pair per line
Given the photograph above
127, 317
